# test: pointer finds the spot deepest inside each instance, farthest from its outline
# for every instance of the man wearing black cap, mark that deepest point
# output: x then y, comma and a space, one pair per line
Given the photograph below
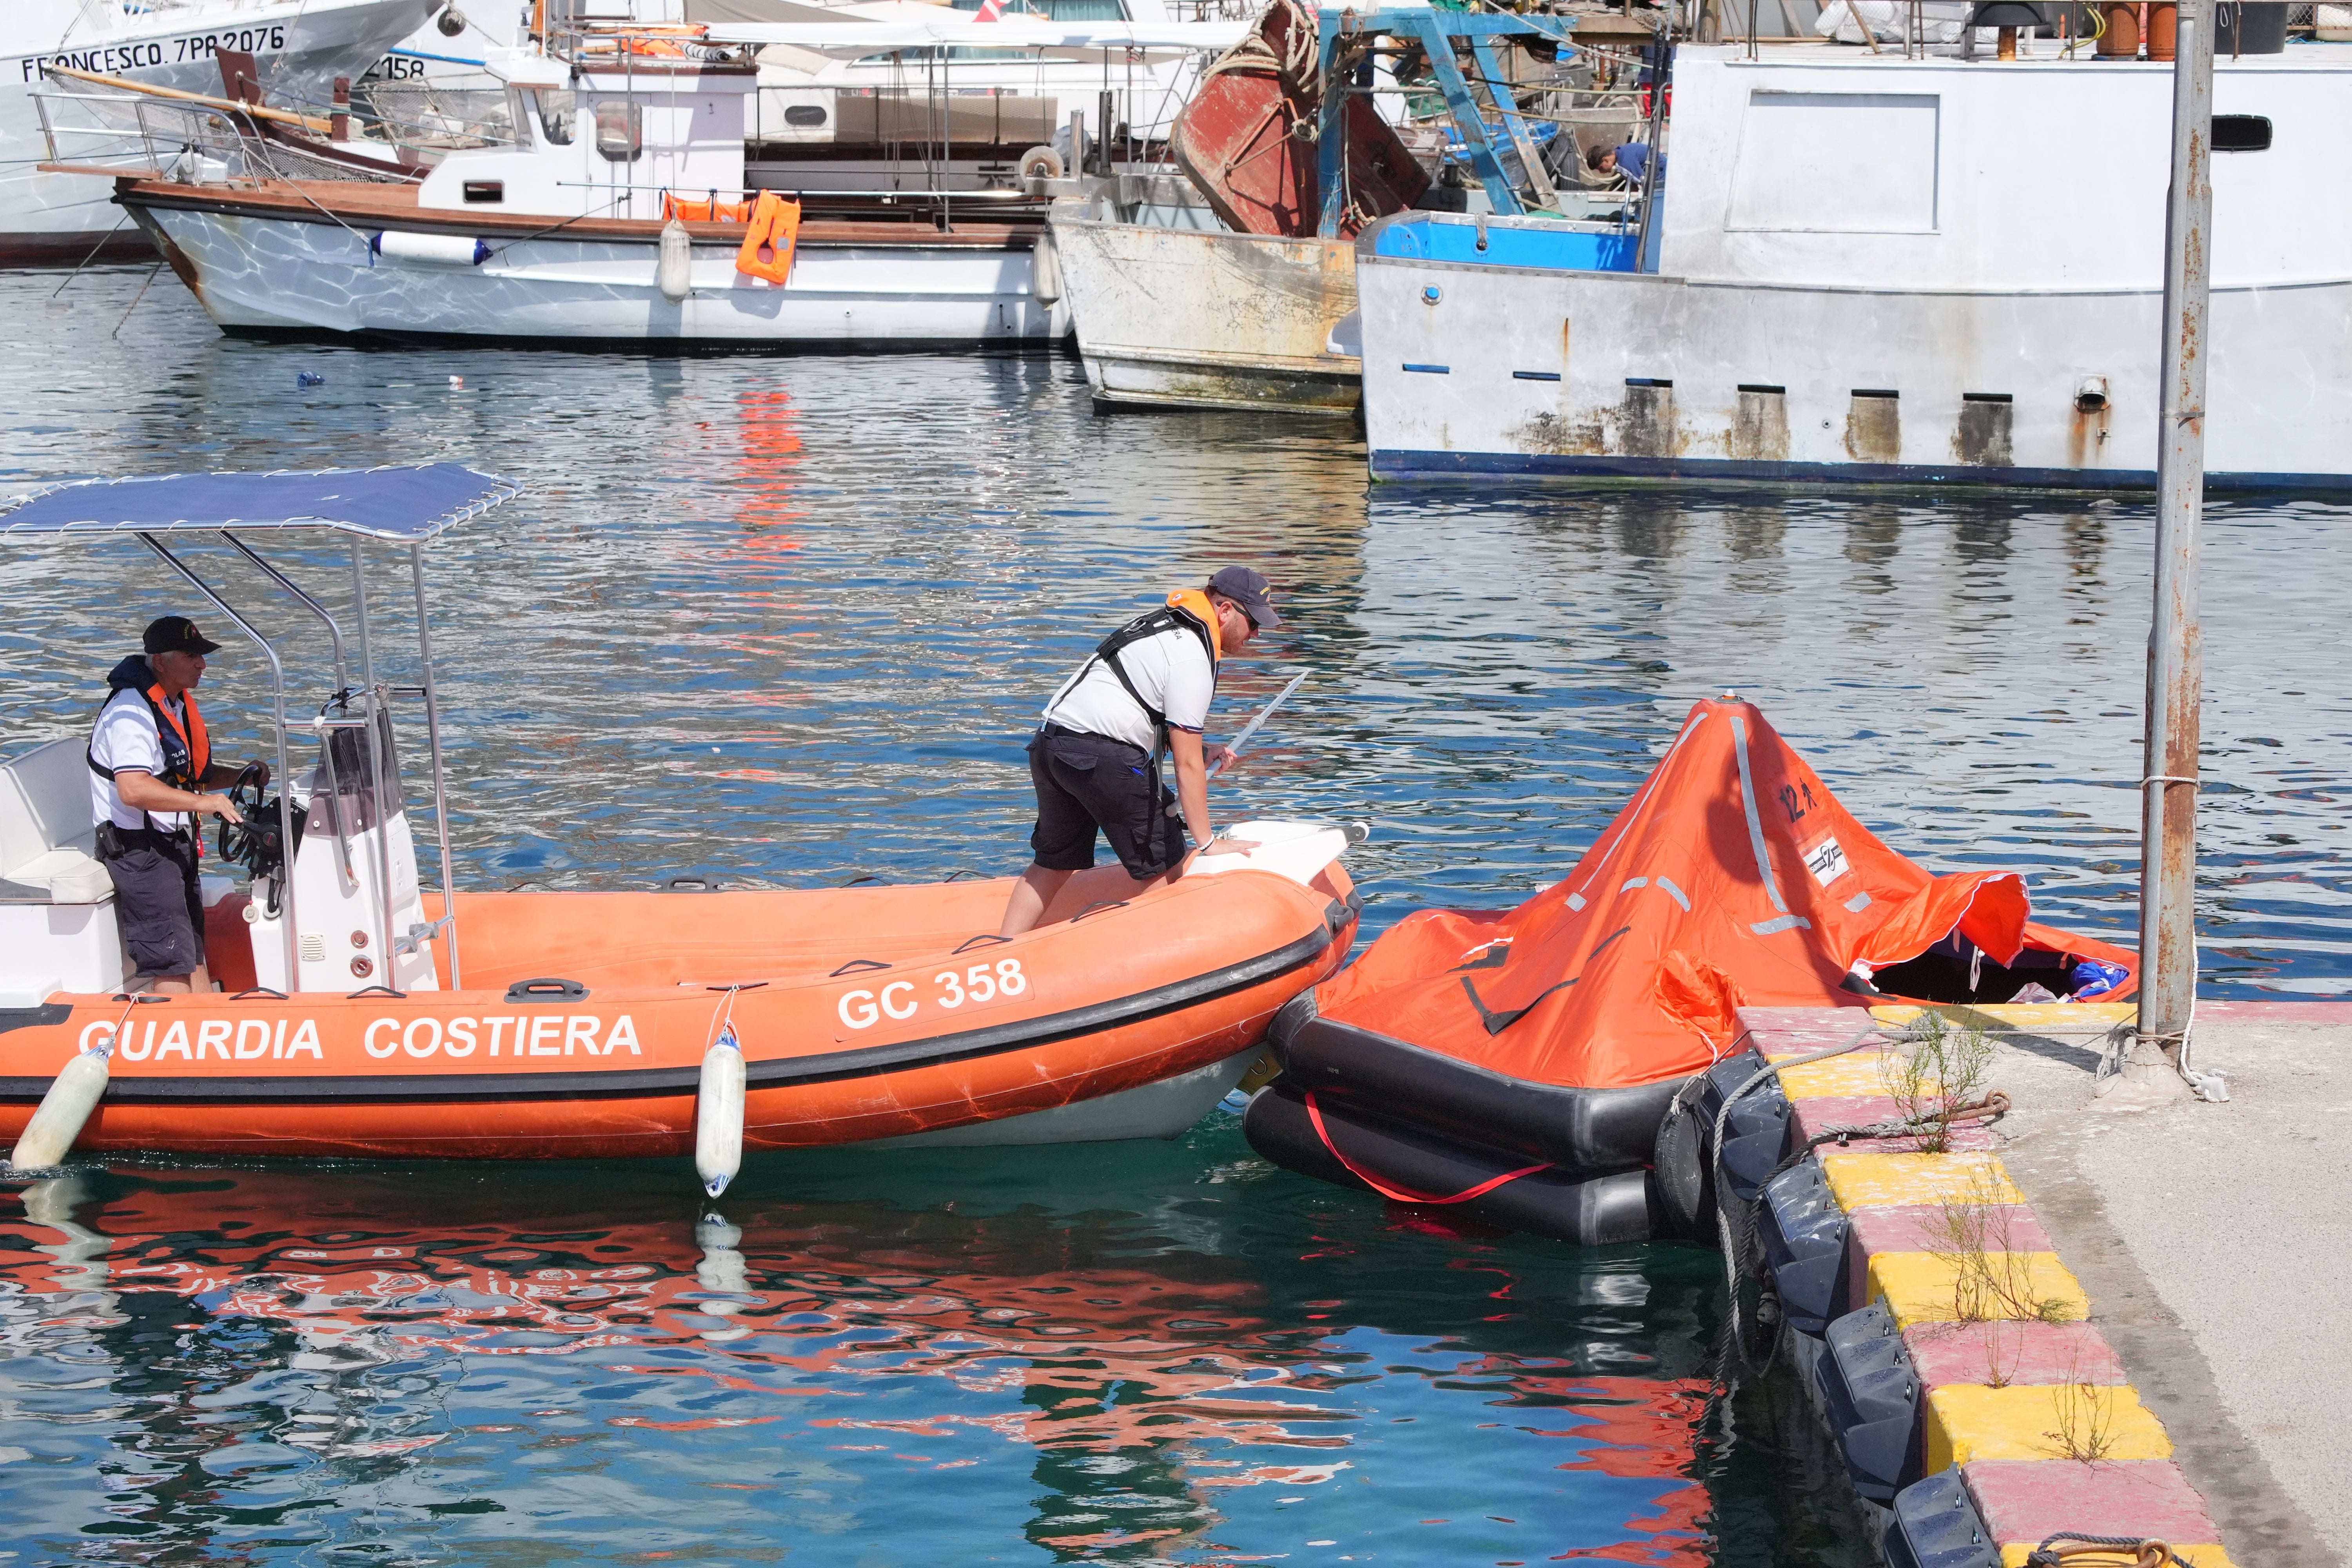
1095, 761
150, 759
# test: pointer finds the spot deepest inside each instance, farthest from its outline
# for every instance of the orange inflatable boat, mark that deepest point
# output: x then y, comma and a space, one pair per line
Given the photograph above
861, 1014
1520, 1062
364, 1014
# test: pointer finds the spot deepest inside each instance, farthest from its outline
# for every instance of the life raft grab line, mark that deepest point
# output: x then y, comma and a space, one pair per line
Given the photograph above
773, 235
1400, 1194
1496, 1022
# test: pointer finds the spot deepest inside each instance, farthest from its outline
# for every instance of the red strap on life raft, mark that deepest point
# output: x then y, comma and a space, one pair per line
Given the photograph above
1398, 1194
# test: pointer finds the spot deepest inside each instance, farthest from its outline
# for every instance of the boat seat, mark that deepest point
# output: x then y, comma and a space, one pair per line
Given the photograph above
46, 832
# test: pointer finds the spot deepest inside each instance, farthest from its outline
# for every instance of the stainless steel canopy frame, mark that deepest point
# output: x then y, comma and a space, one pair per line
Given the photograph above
406, 505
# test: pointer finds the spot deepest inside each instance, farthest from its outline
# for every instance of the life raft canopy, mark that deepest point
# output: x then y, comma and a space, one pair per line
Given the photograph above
1469, 1050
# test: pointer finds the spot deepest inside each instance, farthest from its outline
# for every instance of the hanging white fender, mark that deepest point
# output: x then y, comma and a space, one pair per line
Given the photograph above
58, 1120
718, 1114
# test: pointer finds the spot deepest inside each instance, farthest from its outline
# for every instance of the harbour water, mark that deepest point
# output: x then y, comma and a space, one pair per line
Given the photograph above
787, 621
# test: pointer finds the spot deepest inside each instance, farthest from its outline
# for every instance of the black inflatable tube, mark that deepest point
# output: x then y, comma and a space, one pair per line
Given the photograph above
1587, 1210
1590, 1130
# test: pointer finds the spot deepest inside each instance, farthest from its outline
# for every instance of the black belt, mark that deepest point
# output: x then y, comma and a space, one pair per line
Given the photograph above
111, 838
1064, 732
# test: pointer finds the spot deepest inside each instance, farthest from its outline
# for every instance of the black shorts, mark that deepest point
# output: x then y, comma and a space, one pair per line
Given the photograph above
1090, 782
158, 901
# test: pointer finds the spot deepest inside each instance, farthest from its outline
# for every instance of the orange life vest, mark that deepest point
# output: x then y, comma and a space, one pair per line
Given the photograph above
1187, 610
712, 210
767, 244
187, 749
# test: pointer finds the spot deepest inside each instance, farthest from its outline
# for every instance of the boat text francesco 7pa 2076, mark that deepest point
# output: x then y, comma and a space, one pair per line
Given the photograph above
366, 1013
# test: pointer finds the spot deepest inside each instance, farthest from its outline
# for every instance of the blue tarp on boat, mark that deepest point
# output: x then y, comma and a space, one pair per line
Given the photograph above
407, 503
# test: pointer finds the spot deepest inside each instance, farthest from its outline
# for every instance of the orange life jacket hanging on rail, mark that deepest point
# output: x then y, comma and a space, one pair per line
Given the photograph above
768, 246
711, 210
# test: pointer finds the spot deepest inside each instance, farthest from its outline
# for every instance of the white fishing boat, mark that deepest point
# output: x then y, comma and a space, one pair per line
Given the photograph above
621, 213
1174, 310
1880, 269
1236, 287
299, 49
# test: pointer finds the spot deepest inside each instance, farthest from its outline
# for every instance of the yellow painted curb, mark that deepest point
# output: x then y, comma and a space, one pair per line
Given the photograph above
2021, 1016
1916, 1181
1966, 1421
1848, 1077
2013, 1554
1922, 1288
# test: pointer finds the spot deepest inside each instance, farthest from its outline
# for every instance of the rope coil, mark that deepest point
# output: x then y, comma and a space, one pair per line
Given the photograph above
2146, 1552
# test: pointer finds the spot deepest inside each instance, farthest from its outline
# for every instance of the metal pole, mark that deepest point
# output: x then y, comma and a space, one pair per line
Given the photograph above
2167, 940
285, 790
334, 632
1645, 259
440, 798
378, 768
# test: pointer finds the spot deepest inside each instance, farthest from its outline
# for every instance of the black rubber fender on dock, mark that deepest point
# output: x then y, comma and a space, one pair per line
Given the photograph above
1587, 1210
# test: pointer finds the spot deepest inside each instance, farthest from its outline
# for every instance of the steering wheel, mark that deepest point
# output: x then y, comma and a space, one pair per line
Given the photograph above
236, 841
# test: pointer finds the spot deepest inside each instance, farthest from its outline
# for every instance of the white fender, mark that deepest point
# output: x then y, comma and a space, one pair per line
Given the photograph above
1045, 268
674, 273
72, 1096
718, 1114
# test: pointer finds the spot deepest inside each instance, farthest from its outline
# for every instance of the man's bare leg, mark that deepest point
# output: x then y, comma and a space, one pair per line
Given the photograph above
1034, 891
200, 980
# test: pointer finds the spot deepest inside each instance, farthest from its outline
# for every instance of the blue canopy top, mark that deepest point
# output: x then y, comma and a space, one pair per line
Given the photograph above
409, 503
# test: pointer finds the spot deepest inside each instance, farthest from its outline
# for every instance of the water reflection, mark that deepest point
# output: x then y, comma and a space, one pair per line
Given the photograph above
240, 1362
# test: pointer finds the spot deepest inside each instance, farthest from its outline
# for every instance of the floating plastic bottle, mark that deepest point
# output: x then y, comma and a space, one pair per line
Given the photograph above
309, 378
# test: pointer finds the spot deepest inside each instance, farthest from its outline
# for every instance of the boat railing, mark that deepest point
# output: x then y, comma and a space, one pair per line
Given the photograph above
136, 135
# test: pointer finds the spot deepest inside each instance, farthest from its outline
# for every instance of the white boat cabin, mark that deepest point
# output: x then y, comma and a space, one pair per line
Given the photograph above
605, 140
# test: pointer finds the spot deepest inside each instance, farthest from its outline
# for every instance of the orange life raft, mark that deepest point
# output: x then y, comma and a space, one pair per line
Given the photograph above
863, 1013
1512, 1051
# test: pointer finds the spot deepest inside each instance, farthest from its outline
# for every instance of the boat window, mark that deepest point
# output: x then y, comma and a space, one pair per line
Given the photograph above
2241, 133
620, 130
803, 115
557, 109
1795, 170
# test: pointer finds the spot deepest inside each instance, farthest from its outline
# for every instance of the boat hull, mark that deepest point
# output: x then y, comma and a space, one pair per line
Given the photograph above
863, 1014
1622, 376
1207, 319
308, 273
49, 218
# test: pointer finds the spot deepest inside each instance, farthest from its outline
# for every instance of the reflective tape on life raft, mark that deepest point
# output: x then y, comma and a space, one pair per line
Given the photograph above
1315, 1115
767, 244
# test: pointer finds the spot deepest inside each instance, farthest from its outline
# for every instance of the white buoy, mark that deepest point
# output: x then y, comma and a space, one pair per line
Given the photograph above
718, 1114
72, 1096
674, 273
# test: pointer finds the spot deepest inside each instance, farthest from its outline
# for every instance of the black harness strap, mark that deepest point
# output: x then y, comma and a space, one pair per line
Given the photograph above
178, 769
1150, 623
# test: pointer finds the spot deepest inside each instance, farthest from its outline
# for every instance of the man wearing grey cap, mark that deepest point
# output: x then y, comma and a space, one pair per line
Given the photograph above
152, 777
1095, 761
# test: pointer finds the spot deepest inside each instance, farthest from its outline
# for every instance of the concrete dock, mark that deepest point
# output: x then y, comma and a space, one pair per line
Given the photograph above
2215, 1243
2209, 1245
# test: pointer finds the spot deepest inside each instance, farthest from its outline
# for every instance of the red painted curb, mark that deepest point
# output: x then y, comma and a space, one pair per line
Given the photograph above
2020, 1354
2031, 1499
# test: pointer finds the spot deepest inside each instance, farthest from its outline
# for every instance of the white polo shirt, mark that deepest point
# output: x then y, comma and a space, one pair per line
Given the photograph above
126, 738
1171, 670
